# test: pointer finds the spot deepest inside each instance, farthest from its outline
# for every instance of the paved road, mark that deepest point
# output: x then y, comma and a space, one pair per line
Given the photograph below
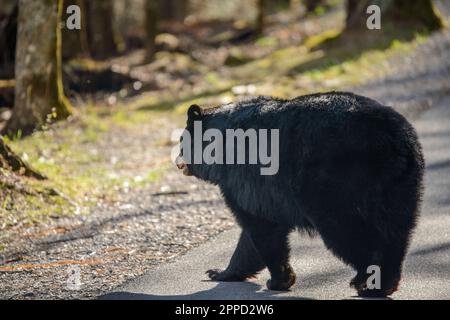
321, 275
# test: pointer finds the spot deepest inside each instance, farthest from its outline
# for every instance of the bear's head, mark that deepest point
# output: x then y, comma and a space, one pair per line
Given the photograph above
185, 160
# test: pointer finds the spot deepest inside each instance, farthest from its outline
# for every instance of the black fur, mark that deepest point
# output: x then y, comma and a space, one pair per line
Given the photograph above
350, 170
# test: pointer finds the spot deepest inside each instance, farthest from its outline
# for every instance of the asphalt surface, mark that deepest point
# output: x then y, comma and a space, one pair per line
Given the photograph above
423, 85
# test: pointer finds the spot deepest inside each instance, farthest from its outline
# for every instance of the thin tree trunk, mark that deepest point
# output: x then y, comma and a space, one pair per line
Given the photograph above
151, 28
173, 10
417, 13
75, 42
181, 10
39, 95
8, 33
260, 19
102, 41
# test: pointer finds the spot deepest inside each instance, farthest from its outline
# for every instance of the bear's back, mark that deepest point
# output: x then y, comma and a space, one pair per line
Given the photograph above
247, 113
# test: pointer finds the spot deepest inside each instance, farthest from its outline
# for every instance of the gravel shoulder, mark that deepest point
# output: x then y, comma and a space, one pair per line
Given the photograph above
118, 240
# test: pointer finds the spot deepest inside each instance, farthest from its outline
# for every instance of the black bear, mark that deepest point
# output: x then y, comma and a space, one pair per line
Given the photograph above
350, 170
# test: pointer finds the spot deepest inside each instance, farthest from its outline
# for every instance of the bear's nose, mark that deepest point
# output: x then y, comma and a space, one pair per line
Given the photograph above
180, 163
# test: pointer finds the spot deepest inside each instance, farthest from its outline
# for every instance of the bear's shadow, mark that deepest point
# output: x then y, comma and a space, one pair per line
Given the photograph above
222, 291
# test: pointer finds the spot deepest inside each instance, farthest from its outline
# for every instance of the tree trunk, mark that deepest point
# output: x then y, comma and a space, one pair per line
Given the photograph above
100, 29
173, 10
260, 19
12, 162
417, 13
75, 42
151, 28
39, 95
8, 33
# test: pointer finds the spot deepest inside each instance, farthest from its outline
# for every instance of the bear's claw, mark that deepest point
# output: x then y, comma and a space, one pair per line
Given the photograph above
223, 275
283, 284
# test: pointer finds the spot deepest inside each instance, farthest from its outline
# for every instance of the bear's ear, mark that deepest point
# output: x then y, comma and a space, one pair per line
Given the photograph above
194, 113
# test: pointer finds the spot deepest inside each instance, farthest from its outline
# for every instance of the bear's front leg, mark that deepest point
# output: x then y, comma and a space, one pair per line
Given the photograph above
245, 262
271, 241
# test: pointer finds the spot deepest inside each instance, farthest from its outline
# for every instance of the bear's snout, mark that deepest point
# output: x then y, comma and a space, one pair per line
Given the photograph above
182, 166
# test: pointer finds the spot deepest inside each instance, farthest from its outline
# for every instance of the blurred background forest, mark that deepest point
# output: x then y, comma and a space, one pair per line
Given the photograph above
86, 114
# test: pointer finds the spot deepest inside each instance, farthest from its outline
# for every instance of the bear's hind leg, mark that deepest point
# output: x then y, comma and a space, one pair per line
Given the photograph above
245, 262
361, 246
390, 272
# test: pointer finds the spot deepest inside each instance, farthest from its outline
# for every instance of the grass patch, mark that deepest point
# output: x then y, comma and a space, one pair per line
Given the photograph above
153, 176
25, 201
337, 48
326, 62
79, 174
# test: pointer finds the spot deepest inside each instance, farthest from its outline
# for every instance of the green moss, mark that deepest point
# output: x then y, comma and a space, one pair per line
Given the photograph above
336, 72
168, 102
267, 42
89, 64
316, 40
126, 118
29, 201
236, 57
152, 177
6, 201
320, 10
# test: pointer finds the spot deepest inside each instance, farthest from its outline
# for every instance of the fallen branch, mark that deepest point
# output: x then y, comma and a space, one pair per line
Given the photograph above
33, 266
